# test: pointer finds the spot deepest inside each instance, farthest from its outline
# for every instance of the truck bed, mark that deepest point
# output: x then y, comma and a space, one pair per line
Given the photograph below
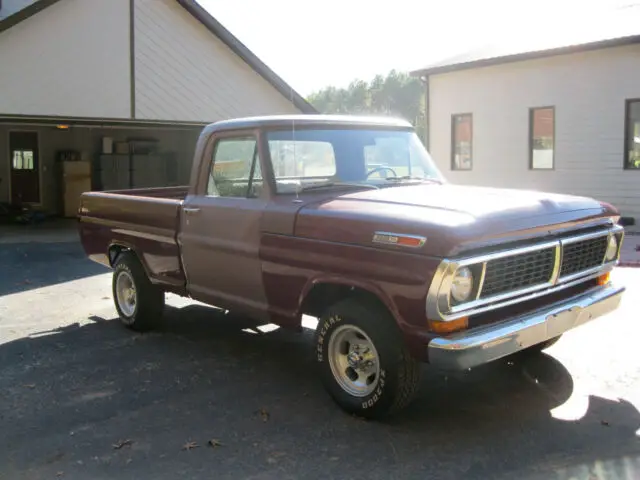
144, 220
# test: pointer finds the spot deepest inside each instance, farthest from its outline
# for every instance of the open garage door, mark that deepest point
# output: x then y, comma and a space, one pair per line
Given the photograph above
49, 163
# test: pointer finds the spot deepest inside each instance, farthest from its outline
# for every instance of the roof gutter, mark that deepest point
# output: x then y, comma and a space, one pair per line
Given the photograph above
17, 119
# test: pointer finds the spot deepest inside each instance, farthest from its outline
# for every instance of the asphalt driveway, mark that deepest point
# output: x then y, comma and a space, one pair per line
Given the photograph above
208, 396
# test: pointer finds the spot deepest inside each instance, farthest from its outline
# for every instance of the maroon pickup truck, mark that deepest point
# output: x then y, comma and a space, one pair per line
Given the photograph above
347, 219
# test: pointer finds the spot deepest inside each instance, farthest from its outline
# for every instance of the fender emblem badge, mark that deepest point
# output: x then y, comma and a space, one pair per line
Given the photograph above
400, 239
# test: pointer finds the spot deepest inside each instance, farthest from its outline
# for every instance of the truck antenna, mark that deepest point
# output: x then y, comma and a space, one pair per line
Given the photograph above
293, 142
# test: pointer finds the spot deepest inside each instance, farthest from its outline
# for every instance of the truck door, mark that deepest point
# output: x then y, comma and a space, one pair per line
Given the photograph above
220, 228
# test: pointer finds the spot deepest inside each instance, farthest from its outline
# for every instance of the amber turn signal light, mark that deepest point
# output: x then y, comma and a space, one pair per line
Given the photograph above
456, 325
410, 241
604, 279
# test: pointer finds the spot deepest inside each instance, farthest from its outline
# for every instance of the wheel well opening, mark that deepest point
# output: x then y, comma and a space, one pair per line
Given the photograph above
114, 252
322, 295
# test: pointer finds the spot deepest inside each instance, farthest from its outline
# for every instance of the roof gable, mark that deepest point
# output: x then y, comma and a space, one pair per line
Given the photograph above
215, 27
33, 83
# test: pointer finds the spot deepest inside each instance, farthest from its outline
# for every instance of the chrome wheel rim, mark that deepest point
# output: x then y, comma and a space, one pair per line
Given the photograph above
354, 360
126, 295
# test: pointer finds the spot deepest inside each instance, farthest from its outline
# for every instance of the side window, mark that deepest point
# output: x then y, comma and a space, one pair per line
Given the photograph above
541, 138
632, 136
235, 170
461, 141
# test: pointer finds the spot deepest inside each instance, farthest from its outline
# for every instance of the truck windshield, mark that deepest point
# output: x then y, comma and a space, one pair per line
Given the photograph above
308, 158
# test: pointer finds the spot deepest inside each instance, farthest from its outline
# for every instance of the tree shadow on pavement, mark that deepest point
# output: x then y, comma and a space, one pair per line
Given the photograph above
26, 266
97, 401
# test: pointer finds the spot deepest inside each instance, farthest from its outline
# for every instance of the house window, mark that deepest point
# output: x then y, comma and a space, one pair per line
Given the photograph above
541, 138
632, 136
461, 141
23, 160
236, 169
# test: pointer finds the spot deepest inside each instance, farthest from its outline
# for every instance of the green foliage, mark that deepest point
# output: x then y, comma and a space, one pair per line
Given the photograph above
397, 94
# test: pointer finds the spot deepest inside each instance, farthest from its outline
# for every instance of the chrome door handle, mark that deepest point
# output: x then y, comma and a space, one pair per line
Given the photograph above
189, 210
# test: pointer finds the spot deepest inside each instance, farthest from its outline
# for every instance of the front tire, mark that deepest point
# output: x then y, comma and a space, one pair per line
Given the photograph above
363, 361
139, 302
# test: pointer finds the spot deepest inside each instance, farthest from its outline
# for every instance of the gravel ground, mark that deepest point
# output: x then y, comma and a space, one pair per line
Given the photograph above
83, 398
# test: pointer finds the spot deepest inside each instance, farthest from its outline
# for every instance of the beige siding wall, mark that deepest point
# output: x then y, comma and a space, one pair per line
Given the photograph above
185, 73
588, 91
72, 59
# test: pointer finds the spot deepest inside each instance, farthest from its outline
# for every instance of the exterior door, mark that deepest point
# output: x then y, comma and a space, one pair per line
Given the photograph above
25, 167
220, 230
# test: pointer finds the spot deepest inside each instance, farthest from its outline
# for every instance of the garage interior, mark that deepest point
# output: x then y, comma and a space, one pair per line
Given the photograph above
46, 165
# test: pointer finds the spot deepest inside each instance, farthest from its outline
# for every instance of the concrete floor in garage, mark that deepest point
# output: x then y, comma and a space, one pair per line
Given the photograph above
81, 397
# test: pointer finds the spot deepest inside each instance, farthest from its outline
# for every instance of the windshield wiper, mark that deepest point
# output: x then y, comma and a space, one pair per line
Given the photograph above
318, 186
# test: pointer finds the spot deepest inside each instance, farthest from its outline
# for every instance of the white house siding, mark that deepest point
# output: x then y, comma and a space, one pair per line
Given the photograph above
185, 73
71, 59
588, 91
9, 7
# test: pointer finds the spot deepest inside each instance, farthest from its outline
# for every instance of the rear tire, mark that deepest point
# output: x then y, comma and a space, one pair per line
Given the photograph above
139, 303
363, 361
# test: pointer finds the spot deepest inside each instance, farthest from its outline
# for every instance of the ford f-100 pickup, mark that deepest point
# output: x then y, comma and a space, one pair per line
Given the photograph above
347, 219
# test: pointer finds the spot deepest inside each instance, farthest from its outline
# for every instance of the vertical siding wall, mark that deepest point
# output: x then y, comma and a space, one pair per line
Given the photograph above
183, 72
72, 59
588, 91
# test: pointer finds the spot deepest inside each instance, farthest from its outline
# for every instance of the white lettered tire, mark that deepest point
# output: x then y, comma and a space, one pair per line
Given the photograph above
363, 361
139, 303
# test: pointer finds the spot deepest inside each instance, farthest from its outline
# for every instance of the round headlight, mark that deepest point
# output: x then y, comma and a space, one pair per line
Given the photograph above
612, 249
462, 285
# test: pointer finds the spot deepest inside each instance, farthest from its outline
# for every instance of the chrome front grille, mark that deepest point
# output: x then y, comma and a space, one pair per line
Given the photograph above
536, 268
523, 273
518, 271
582, 255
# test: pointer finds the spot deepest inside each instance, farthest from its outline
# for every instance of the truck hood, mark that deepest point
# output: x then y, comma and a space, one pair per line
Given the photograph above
453, 218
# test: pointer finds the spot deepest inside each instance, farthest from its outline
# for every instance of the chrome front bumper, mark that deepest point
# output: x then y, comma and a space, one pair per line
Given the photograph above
490, 342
